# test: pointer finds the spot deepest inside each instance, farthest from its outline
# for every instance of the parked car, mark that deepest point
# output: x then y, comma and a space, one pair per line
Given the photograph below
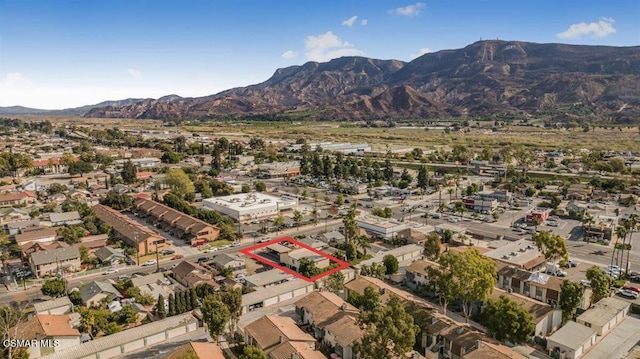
635, 278
585, 282
149, 263
178, 256
110, 271
167, 252
202, 259
236, 244
631, 288
123, 277
629, 294
211, 250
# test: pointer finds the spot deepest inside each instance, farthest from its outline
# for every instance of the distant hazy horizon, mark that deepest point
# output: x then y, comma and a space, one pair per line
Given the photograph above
62, 54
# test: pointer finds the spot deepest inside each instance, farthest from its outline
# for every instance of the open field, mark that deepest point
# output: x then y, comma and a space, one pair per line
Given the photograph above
618, 138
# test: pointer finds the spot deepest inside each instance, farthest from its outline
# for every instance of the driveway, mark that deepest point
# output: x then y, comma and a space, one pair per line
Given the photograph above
619, 341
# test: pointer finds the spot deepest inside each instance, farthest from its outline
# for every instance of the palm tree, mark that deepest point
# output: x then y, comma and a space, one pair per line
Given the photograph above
632, 225
588, 219
621, 232
450, 190
536, 222
364, 243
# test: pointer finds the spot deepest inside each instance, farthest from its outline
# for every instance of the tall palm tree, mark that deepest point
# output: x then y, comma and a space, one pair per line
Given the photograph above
621, 232
632, 225
588, 219
364, 243
536, 222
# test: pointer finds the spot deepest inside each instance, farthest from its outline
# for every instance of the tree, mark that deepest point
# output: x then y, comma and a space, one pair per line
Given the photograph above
571, 294
350, 224
335, 282
112, 328
172, 305
170, 157
423, 179
376, 270
363, 242
194, 298
129, 172
505, 320
551, 245
54, 288
297, 218
600, 283
251, 352
308, 268
127, 315
390, 331
260, 186
80, 168
178, 181
588, 219
476, 275
75, 297
432, 246
160, 309
216, 316
118, 201
233, 300
391, 264
278, 222
246, 188
339, 199
631, 223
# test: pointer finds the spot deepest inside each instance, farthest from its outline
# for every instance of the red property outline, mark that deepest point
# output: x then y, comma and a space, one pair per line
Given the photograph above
249, 252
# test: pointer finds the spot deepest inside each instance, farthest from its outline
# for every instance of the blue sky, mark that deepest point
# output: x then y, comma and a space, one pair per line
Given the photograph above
63, 53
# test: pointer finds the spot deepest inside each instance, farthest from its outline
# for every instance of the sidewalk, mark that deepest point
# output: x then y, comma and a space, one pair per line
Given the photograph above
225, 346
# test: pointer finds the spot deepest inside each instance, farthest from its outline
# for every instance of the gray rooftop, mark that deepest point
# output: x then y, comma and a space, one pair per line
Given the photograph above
603, 311
65, 216
93, 288
52, 304
262, 294
122, 338
268, 277
105, 253
53, 255
572, 335
225, 258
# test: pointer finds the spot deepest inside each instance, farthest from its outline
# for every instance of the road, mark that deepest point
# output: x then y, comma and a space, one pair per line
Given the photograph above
32, 293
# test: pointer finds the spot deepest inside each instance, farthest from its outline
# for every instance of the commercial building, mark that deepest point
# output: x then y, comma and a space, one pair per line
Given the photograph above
249, 206
292, 258
519, 254
542, 214
342, 147
481, 205
267, 279
279, 169
381, 227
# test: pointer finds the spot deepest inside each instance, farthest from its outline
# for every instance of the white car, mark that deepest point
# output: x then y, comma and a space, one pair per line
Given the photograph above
629, 293
211, 250
110, 271
149, 263
236, 244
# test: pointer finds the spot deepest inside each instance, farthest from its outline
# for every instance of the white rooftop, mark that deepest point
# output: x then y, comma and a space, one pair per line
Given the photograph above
245, 201
518, 252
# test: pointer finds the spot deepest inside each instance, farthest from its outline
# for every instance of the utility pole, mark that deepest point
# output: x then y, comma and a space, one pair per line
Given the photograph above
157, 257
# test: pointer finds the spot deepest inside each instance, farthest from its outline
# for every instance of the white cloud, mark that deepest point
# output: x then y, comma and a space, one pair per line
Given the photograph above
409, 10
328, 46
424, 50
134, 73
364, 22
602, 28
288, 55
14, 79
350, 21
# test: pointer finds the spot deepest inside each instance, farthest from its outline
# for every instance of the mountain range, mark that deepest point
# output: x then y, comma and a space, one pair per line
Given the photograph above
486, 77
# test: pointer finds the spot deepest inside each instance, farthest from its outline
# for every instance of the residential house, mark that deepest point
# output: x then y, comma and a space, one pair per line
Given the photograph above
36, 235
571, 341
232, 261
51, 165
179, 224
359, 284
269, 332
520, 254
460, 340
66, 218
132, 233
275, 294
154, 284
332, 237
292, 258
14, 228
190, 275
17, 199
11, 215
416, 235
546, 318
32, 247
332, 320
488, 350
536, 285
605, 315
110, 256
197, 350
295, 350
416, 276
94, 242
95, 292
59, 260
42, 327
579, 192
